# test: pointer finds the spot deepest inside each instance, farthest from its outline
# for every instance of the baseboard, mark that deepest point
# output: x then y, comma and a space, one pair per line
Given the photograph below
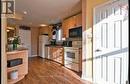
87, 79
34, 55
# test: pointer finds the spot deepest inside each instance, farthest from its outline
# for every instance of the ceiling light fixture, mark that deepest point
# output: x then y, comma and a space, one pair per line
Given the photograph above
11, 28
25, 12
7, 30
42, 25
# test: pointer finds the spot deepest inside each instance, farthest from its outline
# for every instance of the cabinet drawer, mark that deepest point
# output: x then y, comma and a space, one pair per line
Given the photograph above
73, 66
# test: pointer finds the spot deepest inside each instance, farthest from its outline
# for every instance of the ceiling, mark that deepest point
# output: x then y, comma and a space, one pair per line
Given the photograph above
45, 11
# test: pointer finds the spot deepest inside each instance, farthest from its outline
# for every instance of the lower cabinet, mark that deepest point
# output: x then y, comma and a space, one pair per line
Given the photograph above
17, 65
56, 54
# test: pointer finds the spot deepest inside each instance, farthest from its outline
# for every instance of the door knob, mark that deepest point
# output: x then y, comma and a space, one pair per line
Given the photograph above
98, 50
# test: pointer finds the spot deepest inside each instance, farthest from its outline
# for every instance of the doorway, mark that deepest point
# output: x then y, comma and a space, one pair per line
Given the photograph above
110, 43
25, 37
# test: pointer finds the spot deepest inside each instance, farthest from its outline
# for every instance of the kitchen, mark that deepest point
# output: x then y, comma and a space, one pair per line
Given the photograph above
55, 43
61, 49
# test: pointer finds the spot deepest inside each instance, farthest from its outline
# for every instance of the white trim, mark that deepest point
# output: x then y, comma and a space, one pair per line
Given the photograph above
105, 3
3, 48
33, 55
87, 79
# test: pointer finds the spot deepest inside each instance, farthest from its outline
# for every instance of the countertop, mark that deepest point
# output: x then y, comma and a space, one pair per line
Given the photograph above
21, 49
59, 46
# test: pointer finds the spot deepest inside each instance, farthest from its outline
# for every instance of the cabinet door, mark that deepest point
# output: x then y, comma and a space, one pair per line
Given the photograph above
78, 19
54, 54
64, 27
71, 22
50, 32
51, 53
48, 53
68, 24
46, 30
57, 55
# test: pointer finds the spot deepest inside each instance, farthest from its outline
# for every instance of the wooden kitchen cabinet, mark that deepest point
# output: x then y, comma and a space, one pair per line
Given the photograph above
66, 25
74, 21
70, 23
56, 54
22, 69
65, 28
46, 30
78, 20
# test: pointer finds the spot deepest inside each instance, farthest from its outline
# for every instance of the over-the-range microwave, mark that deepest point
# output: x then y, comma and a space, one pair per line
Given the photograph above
75, 32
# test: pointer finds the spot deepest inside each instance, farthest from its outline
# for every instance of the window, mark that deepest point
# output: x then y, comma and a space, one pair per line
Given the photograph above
59, 35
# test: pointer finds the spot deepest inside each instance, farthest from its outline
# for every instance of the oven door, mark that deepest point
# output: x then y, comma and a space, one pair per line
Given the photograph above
71, 55
72, 66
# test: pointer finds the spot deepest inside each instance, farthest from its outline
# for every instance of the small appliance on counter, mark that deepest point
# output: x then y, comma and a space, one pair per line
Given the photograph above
77, 44
53, 42
67, 43
59, 43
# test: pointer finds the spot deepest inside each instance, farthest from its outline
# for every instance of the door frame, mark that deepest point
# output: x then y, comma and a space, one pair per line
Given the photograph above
30, 48
3, 50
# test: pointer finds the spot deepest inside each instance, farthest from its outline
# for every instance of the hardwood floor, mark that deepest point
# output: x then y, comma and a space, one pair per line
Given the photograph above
42, 71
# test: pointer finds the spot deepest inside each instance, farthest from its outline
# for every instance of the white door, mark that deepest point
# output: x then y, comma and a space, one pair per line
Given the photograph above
25, 36
110, 43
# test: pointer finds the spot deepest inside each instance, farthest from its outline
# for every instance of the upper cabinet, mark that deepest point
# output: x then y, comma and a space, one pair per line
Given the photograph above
71, 22
78, 20
65, 27
46, 30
